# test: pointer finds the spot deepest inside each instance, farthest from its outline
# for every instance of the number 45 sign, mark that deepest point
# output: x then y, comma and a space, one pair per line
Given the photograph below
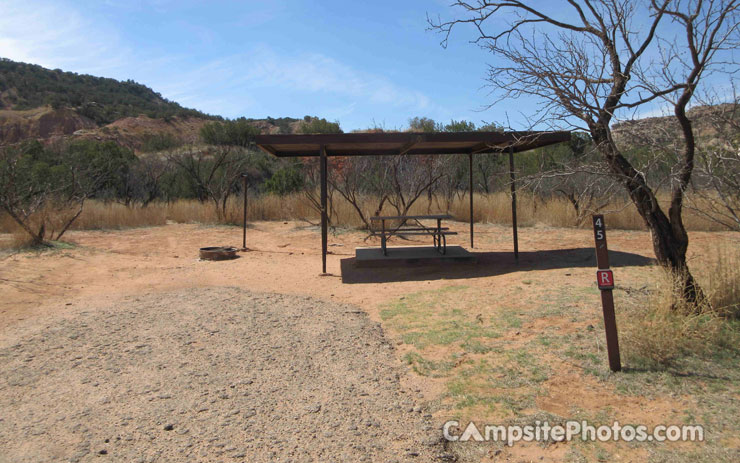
605, 281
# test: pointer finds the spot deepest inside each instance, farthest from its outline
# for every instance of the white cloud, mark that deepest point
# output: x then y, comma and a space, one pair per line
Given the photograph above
57, 37
243, 83
315, 72
60, 36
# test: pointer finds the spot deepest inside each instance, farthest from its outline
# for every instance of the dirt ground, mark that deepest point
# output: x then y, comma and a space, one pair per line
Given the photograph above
209, 374
285, 257
98, 281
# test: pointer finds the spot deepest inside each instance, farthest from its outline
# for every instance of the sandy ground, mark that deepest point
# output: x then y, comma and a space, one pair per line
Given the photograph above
217, 374
285, 257
96, 281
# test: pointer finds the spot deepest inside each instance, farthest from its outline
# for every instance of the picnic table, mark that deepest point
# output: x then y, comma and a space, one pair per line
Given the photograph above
412, 225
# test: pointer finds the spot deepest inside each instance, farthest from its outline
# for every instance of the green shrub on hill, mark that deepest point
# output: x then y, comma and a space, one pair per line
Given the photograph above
104, 100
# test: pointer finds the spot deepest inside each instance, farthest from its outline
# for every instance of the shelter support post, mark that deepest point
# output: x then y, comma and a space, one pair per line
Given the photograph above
470, 190
513, 202
324, 212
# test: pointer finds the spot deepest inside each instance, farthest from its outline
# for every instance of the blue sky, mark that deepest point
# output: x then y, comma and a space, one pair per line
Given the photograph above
362, 63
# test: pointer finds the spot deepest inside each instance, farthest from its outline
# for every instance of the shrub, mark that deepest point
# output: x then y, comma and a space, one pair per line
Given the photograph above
662, 329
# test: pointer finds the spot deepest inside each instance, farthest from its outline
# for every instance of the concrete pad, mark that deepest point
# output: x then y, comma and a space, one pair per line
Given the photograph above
401, 255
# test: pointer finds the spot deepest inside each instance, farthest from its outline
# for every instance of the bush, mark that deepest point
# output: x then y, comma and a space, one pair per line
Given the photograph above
663, 329
37, 179
284, 181
159, 142
316, 125
239, 132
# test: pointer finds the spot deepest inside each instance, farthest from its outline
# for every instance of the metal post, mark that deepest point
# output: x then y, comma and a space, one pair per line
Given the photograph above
470, 163
605, 281
244, 222
513, 202
324, 218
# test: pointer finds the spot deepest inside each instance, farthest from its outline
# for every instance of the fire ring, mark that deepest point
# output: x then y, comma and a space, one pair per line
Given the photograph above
218, 253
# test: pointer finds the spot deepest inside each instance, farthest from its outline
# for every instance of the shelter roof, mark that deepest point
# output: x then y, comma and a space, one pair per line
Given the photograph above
395, 143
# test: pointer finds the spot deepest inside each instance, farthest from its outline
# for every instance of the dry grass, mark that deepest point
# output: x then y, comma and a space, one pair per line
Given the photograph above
97, 215
493, 208
662, 329
19, 239
721, 279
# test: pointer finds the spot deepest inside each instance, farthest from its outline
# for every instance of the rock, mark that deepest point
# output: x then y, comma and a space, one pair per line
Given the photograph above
315, 408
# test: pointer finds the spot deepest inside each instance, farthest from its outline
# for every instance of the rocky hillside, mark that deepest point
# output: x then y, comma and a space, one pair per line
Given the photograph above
40, 123
713, 125
49, 105
142, 133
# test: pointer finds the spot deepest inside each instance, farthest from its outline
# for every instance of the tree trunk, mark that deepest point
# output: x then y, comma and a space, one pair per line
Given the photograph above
36, 238
670, 240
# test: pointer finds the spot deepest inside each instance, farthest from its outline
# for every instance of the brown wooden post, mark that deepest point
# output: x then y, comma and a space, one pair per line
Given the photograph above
605, 281
244, 222
513, 202
324, 218
470, 162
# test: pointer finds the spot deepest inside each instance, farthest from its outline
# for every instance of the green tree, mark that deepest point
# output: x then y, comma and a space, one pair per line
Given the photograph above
459, 126
45, 189
317, 125
238, 132
424, 124
100, 99
285, 180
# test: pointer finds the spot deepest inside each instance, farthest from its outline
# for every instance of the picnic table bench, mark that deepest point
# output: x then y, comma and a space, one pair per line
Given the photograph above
415, 227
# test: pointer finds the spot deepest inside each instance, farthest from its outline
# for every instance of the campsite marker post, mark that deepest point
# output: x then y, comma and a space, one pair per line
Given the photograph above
244, 221
605, 281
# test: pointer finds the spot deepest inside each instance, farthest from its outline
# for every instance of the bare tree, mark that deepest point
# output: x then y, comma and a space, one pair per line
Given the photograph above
312, 185
215, 171
358, 179
454, 180
147, 175
409, 177
398, 181
142, 182
575, 173
587, 61
716, 192
44, 190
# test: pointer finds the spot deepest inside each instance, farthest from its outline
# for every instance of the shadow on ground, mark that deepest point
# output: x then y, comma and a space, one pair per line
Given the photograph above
489, 264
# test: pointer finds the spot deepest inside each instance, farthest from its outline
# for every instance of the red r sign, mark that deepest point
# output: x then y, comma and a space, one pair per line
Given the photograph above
605, 279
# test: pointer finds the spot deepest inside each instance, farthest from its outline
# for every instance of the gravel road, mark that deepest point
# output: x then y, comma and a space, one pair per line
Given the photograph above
217, 374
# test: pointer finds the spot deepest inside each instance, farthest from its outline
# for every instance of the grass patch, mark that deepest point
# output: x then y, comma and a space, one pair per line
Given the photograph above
430, 368
476, 347
512, 383
436, 318
25, 245
510, 318
662, 330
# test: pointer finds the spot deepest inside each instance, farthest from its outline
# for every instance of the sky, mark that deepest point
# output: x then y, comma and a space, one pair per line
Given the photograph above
364, 64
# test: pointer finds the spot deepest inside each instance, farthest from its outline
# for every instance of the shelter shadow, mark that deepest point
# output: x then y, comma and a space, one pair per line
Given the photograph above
488, 264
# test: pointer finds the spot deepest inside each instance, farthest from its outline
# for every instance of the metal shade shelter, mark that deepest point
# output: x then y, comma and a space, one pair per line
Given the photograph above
399, 143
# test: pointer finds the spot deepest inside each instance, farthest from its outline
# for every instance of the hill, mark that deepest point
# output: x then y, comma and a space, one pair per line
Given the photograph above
44, 104
40, 123
713, 125
102, 100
